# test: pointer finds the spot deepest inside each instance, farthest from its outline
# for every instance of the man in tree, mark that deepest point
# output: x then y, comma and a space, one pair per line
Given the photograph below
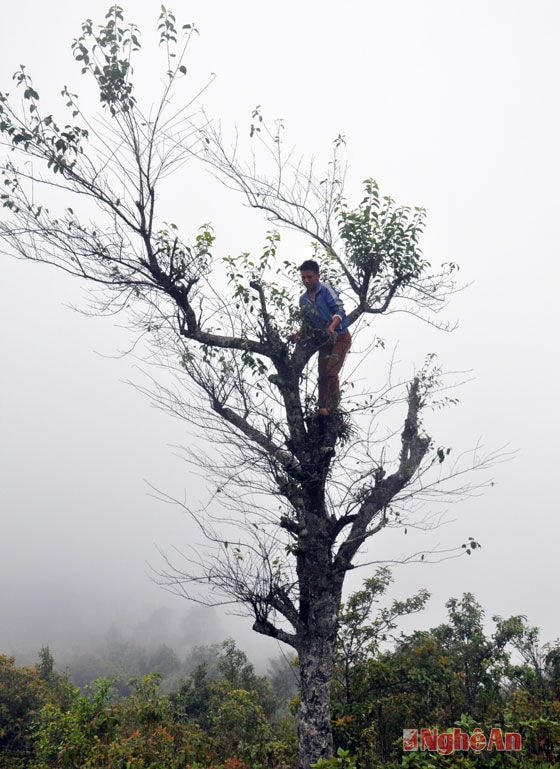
239, 381
323, 311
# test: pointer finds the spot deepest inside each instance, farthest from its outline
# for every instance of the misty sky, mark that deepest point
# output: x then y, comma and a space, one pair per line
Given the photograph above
450, 105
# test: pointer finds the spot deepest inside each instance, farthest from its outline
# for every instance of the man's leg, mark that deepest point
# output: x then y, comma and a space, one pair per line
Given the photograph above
330, 365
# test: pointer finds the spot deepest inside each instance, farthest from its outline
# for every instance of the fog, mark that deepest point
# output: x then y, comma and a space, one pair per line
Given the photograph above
452, 106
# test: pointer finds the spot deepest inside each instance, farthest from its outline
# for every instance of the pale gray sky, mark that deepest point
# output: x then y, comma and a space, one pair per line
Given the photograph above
449, 105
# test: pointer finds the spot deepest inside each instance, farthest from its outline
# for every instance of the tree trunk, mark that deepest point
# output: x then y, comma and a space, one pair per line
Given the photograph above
315, 732
319, 606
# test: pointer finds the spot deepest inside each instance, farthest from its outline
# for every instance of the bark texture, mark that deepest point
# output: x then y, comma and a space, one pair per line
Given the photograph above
314, 727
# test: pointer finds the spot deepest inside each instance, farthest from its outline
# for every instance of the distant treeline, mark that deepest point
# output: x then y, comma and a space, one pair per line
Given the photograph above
131, 708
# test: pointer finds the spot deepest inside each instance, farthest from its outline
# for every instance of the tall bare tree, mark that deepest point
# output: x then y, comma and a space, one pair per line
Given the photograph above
294, 498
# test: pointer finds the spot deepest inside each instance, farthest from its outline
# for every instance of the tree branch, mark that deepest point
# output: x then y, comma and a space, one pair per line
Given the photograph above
285, 458
265, 627
413, 449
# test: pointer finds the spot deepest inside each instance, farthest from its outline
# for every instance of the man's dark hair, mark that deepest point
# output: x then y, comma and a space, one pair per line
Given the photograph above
309, 264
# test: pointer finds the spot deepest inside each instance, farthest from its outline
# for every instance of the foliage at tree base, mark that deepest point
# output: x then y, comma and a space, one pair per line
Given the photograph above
223, 715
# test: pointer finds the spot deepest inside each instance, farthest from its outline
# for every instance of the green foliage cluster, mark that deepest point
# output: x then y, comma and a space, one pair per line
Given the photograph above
23, 693
135, 733
223, 716
382, 239
454, 675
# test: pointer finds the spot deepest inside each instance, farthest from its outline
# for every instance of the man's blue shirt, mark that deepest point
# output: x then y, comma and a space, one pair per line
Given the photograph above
323, 308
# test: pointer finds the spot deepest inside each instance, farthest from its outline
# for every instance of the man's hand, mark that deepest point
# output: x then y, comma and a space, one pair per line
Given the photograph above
334, 324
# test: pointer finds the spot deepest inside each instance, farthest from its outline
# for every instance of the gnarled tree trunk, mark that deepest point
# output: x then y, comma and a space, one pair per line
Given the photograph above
314, 726
320, 596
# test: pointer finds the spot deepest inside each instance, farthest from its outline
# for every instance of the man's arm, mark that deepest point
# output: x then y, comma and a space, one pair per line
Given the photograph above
336, 308
334, 324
